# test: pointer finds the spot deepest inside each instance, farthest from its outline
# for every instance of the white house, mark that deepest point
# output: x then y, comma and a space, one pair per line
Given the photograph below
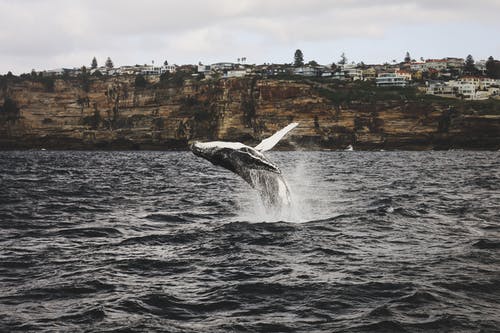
204, 69
350, 71
468, 89
306, 71
235, 73
126, 70
480, 66
417, 66
55, 72
391, 80
157, 71
223, 66
169, 68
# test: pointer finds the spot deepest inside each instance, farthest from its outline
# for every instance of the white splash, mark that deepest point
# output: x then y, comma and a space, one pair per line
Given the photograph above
303, 199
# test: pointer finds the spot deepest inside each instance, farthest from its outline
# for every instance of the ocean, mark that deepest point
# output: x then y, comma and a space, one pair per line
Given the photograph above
389, 241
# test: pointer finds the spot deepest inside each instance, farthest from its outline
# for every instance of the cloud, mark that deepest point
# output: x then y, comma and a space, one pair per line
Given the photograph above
184, 31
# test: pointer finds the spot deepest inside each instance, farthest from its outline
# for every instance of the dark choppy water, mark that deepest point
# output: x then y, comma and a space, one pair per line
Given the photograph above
155, 241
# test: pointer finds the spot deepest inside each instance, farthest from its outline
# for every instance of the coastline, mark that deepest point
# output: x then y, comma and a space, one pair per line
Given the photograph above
114, 114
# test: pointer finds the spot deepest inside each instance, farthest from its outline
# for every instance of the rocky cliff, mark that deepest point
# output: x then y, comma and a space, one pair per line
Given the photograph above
113, 113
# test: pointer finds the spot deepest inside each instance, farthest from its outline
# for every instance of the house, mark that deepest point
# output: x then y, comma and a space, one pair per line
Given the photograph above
469, 88
417, 66
481, 83
54, 72
223, 66
235, 73
437, 64
157, 70
204, 69
307, 71
494, 91
352, 72
278, 69
113, 71
391, 80
455, 63
327, 72
407, 75
102, 70
441, 88
339, 75
480, 66
466, 89
151, 71
126, 70
169, 68
369, 74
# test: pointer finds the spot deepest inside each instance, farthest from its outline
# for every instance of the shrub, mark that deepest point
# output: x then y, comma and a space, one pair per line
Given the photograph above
140, 81
9, 110
92, 121
49, 83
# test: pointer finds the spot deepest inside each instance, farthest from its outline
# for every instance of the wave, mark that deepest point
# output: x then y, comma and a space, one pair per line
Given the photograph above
162, 239
90, 232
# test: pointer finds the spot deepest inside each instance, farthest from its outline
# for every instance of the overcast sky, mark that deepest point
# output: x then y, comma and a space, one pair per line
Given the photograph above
46, 34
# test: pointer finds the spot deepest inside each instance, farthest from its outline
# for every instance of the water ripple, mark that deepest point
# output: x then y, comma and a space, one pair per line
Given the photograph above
155, 241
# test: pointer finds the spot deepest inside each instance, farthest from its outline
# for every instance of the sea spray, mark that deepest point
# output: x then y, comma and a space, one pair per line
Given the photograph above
272, 188
301, 195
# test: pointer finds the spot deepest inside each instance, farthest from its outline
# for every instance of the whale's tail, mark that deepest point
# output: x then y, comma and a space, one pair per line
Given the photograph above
270, 142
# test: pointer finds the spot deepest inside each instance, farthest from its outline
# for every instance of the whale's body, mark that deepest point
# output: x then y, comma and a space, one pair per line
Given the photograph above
251, 165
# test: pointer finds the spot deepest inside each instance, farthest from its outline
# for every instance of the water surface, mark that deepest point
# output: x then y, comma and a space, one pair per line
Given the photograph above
164, 241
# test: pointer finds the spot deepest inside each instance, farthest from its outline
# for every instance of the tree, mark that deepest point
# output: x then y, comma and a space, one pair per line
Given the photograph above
109, 63
491, 69
165, 63
298, 58
469, 65
9, 110
10, 106
140, 81
407, 57
94, 63
164, 77
313, 63
84, 79
343, 59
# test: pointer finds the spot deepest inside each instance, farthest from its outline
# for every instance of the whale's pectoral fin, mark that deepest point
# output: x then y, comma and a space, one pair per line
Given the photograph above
250, 161
270, 142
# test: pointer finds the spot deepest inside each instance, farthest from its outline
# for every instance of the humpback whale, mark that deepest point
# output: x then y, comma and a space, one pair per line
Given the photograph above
251, 165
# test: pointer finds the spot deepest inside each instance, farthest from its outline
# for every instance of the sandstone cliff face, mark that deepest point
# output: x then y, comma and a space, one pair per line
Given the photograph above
111, 113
